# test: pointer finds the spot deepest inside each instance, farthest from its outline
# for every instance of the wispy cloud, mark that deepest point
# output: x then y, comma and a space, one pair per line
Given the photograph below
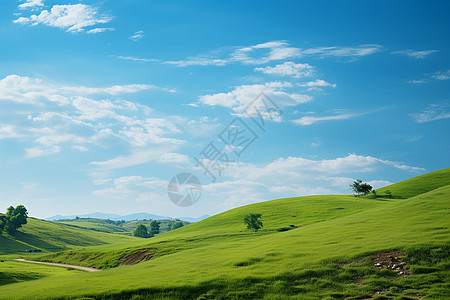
39, 151
344, 52
112, 90
310, 120
416, 54
433, 112
137, 36
439, 75
159, 154
134, 58
25, 89
275, 51
289, 69
100, 30
72, 18
419, 81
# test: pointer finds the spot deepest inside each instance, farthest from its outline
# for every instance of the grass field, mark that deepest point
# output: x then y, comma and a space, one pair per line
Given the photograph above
330, 254
51, 236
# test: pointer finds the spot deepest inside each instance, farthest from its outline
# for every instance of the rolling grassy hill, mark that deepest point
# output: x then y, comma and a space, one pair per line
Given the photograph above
125, 228
49, 237
329, 255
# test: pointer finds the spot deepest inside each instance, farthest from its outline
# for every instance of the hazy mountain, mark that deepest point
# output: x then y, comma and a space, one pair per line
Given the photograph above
131, 217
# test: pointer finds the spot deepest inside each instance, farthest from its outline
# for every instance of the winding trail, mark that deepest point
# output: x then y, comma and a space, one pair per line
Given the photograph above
59, 265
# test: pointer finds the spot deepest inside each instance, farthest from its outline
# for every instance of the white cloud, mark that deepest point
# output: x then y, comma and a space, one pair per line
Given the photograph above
241, 96
289, 69
80, 148
442, 75
31, 4
267, 52
24, 89
133, 187
419, 81
298, 168
275, 50
203, 126
137, 36
432, 113
100, 30
156, 154
9, 131
138, 59
53, 116
151, 131
73, 18
309, 120
416, 54
112, 90
316, 84
174, 158
346, 52
38, 152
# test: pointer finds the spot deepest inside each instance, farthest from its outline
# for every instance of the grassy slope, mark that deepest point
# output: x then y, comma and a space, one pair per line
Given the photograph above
95, 224
299, 211
418, 185
126, 228
216, 256
50, 236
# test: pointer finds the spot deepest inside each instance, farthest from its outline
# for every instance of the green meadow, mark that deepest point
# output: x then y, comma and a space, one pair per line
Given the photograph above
314, 247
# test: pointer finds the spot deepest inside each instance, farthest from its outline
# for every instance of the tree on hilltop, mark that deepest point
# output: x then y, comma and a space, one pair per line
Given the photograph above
154, 226
177, 224
360, 188
13, 219
141, 231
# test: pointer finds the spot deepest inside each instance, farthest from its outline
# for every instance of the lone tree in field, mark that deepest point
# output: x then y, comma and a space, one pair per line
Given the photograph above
13, 219
253, 222
154, 227
360, 188
177, 224
141, 231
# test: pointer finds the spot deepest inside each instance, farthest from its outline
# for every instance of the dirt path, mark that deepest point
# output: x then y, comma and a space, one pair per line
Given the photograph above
59, 265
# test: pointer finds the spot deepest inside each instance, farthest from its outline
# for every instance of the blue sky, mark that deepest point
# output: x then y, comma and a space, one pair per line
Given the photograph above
103, 102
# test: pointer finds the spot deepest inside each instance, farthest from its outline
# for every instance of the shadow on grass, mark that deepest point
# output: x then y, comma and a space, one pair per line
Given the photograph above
19, 242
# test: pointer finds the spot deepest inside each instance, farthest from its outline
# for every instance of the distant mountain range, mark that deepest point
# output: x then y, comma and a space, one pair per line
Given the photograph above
132, 217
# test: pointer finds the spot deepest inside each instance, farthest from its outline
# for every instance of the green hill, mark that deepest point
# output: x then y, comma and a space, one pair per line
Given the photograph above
50, 237
418, 185
332, 253
109, 226
95, 224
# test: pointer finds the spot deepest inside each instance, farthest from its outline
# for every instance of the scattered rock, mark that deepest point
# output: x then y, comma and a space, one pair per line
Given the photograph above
391, 261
